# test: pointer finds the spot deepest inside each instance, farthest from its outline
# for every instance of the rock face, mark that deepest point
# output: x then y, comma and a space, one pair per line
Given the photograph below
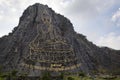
46, 41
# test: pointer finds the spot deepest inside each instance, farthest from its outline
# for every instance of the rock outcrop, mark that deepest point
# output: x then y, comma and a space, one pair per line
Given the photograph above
46, 41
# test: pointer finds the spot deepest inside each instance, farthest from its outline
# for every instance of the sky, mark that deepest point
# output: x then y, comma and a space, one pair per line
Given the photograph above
98, 20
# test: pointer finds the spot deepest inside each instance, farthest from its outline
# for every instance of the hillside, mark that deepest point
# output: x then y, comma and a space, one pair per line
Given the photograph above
46, 41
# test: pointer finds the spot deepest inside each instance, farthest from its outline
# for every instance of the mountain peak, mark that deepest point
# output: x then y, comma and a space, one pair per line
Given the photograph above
45, 19
34, 11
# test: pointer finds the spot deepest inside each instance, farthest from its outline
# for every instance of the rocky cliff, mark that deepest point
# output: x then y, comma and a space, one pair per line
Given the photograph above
46, 41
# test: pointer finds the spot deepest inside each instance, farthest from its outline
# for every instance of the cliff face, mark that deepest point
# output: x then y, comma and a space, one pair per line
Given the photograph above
46, 41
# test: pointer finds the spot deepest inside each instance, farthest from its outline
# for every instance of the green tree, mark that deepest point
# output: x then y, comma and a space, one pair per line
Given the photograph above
46, 76
82, 74
70, 78
22, 76
62, 75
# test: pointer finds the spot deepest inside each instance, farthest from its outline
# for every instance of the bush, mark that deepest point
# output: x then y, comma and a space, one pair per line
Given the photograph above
70, 78
82, 74
46, 76
62, 75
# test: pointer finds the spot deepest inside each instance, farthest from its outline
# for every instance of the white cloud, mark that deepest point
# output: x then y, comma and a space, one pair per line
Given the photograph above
111, 40
88, 7
1, 17
116, 18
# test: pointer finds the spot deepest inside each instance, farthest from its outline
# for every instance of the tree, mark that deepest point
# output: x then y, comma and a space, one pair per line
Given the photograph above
12, 75
46, 76
70, 78
62, 75
82, 74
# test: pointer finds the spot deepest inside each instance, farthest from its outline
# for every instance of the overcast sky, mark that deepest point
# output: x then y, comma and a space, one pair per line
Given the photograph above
99, 20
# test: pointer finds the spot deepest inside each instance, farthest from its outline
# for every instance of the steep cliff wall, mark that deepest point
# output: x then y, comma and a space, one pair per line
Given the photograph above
46, 41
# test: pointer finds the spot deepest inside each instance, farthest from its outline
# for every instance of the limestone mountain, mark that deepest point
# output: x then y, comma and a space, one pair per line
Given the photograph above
46, 41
